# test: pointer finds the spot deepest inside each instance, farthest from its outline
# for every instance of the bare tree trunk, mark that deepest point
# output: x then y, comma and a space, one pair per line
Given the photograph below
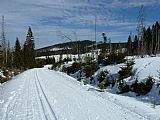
156, 43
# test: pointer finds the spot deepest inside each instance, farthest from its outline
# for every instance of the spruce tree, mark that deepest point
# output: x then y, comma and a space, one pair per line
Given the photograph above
135, 45
129, 45
28, 50
17, 54
149, 41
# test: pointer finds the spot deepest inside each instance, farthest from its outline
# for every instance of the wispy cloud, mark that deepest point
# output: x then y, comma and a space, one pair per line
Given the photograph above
46, 17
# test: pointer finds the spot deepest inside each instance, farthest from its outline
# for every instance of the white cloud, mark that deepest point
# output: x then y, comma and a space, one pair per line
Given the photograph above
47, 16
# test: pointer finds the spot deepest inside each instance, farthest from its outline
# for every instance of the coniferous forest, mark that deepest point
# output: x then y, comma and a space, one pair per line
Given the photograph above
16, 60
148, 45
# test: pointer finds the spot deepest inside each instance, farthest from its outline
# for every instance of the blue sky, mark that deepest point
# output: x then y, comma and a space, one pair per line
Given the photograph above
74, 18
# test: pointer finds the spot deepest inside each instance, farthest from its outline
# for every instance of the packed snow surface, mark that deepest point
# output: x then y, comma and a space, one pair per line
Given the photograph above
42, 94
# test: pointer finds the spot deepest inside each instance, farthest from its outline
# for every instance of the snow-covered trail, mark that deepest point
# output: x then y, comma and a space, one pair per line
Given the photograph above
41, 94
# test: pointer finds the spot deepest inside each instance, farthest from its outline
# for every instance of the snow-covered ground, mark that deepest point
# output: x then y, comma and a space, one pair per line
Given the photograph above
57, 57
143, 67
42, 94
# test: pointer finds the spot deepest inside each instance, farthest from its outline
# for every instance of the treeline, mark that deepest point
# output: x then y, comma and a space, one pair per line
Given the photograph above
25, 57
149, 44
19, 57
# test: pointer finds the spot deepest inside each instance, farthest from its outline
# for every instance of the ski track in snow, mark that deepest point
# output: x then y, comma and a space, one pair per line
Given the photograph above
47, 109
41, 94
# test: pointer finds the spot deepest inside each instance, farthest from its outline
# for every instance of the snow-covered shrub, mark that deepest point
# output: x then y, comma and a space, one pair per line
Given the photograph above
149, 84
114, 58
67, 59
90, 68
130, 62
2, 79
88, 59
102, 75
101, 58
123, 88
88, 71
73, 68
102, 86
107, 83
113, 83
4, 76
5, 72
50, 60
142, 88
39, 63
74, 59
86, 82
79, 79
126, 71
135, 86
91, 79
57, 64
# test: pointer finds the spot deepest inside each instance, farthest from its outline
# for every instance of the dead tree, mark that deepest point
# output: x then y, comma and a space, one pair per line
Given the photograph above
140, 30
